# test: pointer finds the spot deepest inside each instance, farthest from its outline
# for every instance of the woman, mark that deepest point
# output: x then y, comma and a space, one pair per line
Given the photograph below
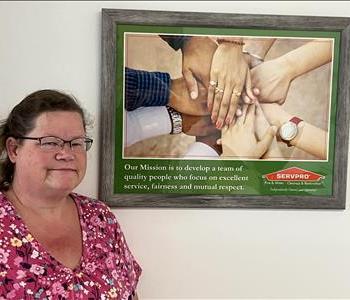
55, 244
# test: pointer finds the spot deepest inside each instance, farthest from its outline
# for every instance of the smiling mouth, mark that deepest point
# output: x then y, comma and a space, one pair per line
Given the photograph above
63, 170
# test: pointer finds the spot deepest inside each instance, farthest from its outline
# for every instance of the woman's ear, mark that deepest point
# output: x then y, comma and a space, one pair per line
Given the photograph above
11, 149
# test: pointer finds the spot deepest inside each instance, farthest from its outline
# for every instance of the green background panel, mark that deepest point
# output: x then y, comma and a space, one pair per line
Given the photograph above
254, 170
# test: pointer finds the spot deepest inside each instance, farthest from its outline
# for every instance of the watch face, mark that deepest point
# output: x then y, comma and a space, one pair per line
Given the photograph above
288, 131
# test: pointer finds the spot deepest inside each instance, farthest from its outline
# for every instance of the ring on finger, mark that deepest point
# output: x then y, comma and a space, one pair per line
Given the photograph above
217, 90
213, 83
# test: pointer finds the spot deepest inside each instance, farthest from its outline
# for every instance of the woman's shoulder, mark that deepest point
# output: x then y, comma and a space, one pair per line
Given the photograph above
95, 213
90, 204
89, 201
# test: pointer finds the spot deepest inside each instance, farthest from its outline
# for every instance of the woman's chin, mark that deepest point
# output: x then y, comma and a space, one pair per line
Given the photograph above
63, 184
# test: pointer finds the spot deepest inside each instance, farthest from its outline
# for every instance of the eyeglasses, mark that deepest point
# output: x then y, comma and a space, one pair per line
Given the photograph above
53, 143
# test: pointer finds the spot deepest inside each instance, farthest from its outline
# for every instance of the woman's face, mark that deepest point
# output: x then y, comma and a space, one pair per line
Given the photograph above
51, 171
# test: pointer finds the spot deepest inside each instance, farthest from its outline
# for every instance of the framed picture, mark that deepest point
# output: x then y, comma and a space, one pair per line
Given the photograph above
224, 110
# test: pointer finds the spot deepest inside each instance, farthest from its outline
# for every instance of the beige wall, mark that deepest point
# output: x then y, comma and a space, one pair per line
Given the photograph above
185, 253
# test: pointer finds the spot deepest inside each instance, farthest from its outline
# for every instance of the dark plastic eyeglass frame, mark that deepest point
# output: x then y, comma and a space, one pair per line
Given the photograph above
88, 142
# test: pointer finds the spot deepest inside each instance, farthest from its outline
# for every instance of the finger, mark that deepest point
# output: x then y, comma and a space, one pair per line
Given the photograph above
239, 107
235, 99
191, 84
258, 109
224, 109
250, 116
232, 109
280, 102
238, 111
260, 123
245, 98
210, 98
240, 120
219, 91
256, 91
248, 88
265, 143
211, 90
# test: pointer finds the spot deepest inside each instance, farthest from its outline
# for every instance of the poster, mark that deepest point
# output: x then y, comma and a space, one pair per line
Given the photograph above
168, 164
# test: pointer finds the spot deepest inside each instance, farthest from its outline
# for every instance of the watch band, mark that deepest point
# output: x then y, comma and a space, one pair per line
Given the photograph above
295, 120
176, 120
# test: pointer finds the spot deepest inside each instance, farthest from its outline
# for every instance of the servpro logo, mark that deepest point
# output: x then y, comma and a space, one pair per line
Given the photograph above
293, 174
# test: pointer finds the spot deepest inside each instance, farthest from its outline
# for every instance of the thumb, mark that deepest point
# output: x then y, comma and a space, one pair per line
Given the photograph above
256, 91
265, 143
191, 84
280, 102
248, 88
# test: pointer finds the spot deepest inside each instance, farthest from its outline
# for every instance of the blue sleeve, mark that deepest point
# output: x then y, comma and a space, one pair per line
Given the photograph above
144, 88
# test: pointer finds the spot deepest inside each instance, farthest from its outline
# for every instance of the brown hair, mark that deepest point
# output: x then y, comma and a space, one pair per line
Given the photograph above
21, 120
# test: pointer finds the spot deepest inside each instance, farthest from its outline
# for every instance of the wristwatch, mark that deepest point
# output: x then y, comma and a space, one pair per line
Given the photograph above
289, 130
176, 120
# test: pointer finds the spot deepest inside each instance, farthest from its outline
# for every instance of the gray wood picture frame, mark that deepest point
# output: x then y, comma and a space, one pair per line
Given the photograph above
110, 20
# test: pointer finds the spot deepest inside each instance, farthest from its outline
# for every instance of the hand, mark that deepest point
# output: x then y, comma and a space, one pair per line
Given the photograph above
197, 54
261, 126
180, 100
239, 138
273, 79
310, 139
257, 48
230, 72
275, 114
261, 122
197, 126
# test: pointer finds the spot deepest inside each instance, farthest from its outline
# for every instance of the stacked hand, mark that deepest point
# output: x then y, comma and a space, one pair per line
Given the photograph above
195, 115
239, 138
272, 79
180, 99
197, 126
197, 55
222, 69
229, 75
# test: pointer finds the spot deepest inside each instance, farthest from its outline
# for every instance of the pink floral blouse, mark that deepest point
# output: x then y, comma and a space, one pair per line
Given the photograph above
107, 268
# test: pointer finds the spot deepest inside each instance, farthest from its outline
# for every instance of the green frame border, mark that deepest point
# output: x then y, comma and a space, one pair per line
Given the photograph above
324, 168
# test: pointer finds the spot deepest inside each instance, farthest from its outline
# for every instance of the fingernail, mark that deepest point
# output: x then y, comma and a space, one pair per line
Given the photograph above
228, 121
274, 128
238, 112
193, 95
218, 124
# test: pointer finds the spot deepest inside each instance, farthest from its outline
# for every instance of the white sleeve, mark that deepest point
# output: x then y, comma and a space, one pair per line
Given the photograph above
200, 150
146, 122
